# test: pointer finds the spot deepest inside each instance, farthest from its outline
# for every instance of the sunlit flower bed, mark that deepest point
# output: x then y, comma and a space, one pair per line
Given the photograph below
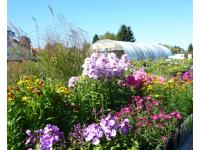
112, 105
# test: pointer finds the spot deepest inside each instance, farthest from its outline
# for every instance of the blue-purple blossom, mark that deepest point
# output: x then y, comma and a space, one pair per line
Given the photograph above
100, 65
108, 128
77, 133
92, 133
125, 126
72, 81
44, 137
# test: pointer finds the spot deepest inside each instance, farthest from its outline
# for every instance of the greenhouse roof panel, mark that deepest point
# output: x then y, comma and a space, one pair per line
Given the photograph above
133, 50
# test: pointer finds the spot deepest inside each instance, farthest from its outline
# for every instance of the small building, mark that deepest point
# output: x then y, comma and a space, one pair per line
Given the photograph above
133, 50
177, 56
18, 53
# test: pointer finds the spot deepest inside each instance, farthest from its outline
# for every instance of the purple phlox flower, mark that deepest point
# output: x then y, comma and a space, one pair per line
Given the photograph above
95, 141
93, 133
125, 126
124, 61
31, 138
103, 65
44, 137
77, 133
28, 132
72, 81
109, 126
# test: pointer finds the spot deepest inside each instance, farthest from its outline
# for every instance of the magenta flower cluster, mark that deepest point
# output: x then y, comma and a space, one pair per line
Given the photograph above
171, 115
108, 128
139, 78
100, 65
44, 137
187, 76
144, 109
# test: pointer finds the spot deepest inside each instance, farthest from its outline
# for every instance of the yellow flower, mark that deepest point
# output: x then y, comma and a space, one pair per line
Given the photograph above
10, 96
29, 87
171, 81
62, 90
37, 80
149, 88
25, 99
20, 82
10, 99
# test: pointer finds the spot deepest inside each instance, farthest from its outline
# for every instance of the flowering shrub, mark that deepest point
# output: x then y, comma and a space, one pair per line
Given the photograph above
140, 78
27, 85
161, 67
100, 65
90, 94
187, 76
142, 120
45, 138
175, 92
152, 126
33, 103
105, 135
146, 121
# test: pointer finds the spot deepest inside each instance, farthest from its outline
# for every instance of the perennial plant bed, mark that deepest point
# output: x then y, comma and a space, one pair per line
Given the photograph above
112, 105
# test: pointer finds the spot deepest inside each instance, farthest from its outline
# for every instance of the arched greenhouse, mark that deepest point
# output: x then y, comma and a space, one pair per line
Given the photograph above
133, 50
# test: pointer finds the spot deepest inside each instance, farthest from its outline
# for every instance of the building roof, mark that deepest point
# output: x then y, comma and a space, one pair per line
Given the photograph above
133, 50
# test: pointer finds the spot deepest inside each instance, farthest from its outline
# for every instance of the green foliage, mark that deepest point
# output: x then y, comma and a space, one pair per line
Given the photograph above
125, 34
120, 143
85, 49
91, 95
95, 38
58, 62
15, 70
108, 35
55, 63
175, 94
32, 104
174, 49
163, 68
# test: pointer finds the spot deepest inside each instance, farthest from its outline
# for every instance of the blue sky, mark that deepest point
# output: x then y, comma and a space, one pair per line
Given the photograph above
152, 21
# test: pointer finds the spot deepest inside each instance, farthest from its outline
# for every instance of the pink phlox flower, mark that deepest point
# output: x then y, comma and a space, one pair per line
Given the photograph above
161, 79
164, 138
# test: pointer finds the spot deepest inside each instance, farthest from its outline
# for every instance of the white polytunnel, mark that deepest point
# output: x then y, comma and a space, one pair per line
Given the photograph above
133, 50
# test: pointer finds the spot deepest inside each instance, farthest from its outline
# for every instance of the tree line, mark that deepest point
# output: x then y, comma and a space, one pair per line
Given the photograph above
124, 34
